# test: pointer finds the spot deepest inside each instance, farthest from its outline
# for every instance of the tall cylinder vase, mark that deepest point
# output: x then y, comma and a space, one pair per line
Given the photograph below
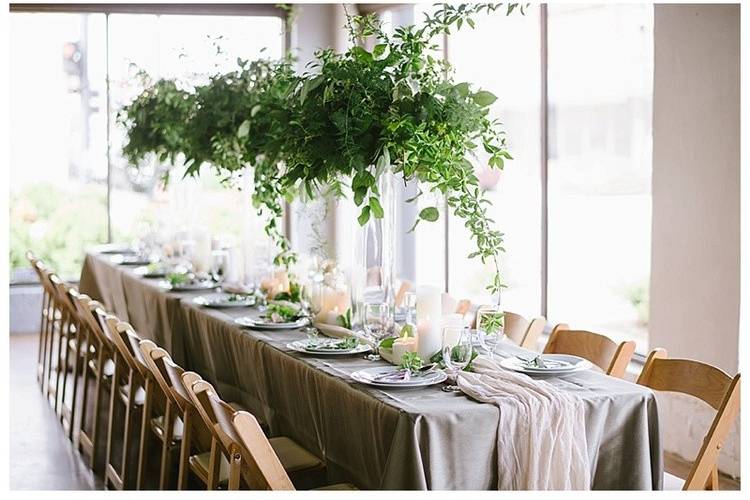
374, 256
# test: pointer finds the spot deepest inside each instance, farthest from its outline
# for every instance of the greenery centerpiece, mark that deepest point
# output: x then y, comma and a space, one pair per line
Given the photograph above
338, 128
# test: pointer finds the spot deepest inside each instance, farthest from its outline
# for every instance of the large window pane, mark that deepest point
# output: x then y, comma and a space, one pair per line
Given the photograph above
58, 163
508, 65
188, 48
600, 90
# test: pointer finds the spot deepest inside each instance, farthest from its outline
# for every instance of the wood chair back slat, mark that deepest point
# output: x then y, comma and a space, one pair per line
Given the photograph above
712, 386
263, 470
611, 357
216, 414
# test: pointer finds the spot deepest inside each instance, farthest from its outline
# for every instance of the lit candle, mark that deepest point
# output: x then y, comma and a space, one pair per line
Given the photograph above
429, 314
402, 345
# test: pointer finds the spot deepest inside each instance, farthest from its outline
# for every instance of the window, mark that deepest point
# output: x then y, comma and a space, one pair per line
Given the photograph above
60, 63
600, 88
58, 160
513, 73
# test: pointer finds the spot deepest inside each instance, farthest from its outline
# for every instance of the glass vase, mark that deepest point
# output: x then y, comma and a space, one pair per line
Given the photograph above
374, 253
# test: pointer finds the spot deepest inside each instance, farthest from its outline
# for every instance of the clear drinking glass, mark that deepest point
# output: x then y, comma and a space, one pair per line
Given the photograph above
219, 264
490, 327
457, 350
376, 325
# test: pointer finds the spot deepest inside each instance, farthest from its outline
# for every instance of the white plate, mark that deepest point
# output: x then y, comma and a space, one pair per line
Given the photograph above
129, 260
304, 346
370, 376
560, 364
188, 287
265, 325
143, 272
112, 248
221, 301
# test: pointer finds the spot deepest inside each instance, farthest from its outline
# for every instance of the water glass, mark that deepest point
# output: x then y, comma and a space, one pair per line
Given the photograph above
490, 327
376, 325
219, 265
457, 350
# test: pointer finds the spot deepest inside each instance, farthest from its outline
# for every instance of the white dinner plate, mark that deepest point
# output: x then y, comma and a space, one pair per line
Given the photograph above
129, 259
261, 324
188, 287
558, 364
113, 248
374, 376
325, 346
222, 300
144, 272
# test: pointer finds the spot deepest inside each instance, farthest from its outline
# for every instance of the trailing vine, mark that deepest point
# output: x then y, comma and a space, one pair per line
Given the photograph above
337, 127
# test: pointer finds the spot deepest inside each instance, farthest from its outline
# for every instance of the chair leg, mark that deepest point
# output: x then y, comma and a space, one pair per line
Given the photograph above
79, 343
40, 352
85, 394
98, 392
143, 444
51, 331
234, 472
165, 447
128, 428
62, 340
713, 479
213, 466
111, 422
187, 432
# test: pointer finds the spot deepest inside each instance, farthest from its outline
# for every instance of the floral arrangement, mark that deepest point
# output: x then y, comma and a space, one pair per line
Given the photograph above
335, 129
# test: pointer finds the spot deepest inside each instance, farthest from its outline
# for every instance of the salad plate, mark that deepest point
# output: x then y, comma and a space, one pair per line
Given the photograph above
225, 300
546, 364
267, 324
392, 376
329, 346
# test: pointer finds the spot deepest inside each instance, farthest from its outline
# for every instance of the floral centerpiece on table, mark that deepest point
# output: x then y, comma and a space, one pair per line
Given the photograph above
337, 128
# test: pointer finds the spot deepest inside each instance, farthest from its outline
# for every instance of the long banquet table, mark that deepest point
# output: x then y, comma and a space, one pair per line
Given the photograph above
377, 439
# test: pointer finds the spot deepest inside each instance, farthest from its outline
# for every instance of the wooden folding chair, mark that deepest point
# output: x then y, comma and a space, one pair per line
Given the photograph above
709, 384
71, 343
175, 428
53, 331
260, 467
128, 388
46, 320
304, 468
611, 357
97, 361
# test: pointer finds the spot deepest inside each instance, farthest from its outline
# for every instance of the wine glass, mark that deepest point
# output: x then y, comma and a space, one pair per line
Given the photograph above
376, 326
457, 351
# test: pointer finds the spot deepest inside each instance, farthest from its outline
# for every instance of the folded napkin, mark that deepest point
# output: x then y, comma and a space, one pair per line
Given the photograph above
335, 331
237, 288
541, 436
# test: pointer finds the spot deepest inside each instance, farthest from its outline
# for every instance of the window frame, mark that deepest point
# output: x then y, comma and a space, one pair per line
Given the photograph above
206, 9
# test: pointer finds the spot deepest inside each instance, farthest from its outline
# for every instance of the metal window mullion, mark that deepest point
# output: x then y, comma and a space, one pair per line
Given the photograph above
108, 107
544, 123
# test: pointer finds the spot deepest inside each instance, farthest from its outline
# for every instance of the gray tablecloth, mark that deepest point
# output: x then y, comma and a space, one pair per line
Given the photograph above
377, 439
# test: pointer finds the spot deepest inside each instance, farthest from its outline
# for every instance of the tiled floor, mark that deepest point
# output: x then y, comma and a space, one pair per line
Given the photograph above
41, 457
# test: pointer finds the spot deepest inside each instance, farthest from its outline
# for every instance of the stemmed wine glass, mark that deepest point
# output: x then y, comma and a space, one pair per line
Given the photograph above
457, 351
376, 326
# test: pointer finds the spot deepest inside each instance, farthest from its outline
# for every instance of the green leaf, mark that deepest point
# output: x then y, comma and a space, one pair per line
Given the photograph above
462, 88
430, 214
244, 129
387, 343
376, 207
381, 51
484, 98
364, 217
255, 110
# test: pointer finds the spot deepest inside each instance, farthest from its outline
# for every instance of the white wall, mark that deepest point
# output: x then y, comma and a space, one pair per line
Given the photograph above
695, 277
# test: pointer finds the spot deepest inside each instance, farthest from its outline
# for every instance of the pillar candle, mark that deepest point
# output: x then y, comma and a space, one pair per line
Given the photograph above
429, 321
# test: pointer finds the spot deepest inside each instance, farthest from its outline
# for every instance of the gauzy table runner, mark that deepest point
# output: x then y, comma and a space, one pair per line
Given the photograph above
419, 438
